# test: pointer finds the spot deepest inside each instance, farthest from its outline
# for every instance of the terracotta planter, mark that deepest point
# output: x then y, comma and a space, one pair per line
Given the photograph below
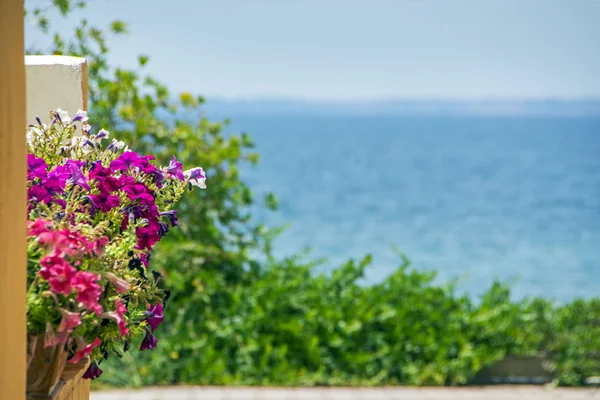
50, 377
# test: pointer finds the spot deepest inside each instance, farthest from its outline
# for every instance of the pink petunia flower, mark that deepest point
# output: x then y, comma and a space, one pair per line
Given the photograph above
50, 338
120, 285
83, 349
59, 274
88, 290
119, 317
35, 228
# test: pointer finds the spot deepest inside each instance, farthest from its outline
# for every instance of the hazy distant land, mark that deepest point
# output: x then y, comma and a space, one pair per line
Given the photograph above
285, 107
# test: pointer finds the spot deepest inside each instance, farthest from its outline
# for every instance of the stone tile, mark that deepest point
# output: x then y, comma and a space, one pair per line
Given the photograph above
404, 393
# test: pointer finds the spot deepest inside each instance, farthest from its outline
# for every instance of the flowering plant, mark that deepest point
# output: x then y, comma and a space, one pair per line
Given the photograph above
95, 212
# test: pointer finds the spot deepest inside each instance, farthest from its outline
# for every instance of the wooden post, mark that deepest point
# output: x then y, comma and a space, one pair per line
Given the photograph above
13, 202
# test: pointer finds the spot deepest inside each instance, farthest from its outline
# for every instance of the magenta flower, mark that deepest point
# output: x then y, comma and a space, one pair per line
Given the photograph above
154, 315
138, 189
132, 213
146, 199
99, 172
175, 169
126, 180
36, 167
126, 161
40, 194
147, 236
92, 372
105, 202
149, 342
104, 176
146, 166
56, 181
88, 290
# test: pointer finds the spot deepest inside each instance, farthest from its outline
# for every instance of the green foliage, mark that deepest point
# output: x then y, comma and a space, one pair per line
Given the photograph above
291, 326
234, 320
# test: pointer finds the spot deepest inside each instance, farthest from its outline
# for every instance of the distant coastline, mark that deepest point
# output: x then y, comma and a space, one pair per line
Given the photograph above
405, 107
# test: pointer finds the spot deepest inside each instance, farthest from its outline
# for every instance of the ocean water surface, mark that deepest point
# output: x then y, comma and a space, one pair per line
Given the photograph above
479, 198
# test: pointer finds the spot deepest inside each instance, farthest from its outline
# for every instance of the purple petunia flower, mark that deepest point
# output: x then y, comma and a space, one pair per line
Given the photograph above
172, 215
77, 176
92, 372
175, 169
93, 206
149, 342
163, 229
154, 315
159, 177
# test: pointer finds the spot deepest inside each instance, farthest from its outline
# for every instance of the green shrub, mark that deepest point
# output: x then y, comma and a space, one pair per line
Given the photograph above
291, 326
233, 320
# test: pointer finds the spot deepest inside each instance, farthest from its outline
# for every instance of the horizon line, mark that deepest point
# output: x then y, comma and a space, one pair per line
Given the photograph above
300, 99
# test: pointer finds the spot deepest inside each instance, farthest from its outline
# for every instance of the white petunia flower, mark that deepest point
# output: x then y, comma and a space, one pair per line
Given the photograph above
34, 132
64, 116
103, 134
115, 145
196, 177
80, 116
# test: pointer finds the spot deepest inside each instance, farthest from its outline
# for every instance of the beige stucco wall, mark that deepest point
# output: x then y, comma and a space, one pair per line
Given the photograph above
55, 82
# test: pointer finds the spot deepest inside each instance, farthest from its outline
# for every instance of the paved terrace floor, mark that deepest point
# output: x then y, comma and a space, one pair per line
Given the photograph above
406, 393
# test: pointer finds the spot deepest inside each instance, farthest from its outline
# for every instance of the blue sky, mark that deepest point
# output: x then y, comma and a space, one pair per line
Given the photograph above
361, 49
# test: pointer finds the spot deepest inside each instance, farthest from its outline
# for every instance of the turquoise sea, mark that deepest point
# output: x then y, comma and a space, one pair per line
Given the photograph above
477, 198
